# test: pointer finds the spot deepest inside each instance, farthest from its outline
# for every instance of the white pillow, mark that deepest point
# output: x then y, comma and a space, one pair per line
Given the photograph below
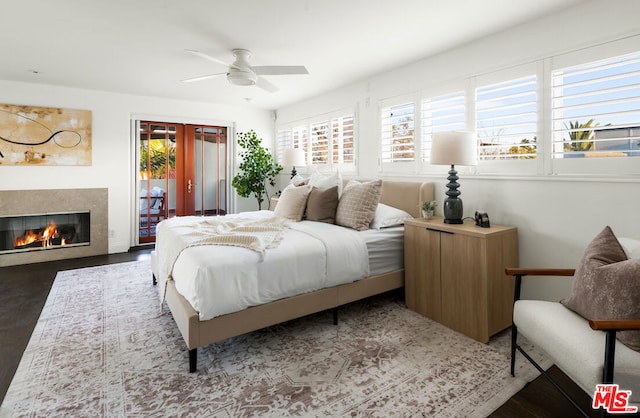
292, 202
631, 247
323, 181
387, 216
298, 180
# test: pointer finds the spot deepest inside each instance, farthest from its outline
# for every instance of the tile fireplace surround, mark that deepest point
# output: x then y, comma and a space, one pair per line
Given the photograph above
35, 202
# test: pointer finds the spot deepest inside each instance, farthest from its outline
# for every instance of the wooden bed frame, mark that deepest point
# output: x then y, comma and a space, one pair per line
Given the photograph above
403, 195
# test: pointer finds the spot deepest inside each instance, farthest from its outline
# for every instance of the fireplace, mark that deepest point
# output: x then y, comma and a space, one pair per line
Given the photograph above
48, 231
48, 225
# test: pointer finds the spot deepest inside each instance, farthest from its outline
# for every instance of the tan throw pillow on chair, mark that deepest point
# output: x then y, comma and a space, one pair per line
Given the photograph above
607, 285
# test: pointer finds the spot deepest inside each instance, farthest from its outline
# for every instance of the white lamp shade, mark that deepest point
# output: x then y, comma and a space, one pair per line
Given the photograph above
293, 157
458, 148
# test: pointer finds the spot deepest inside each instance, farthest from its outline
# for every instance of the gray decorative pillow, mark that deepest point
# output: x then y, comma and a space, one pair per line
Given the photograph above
292, 202
358, 204
607, 285
322, 205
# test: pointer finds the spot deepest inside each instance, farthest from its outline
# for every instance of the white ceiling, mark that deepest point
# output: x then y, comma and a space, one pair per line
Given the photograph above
138, 46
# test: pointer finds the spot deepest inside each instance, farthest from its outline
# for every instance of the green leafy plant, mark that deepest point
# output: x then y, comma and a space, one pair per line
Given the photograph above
153, 159
526, 149
429, 206
256, 169
581, 136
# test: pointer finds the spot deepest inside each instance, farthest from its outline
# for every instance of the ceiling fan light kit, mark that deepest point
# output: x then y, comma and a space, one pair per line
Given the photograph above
241, 77
241, 73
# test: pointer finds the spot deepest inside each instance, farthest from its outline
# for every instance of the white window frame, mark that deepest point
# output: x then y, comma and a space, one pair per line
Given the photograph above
426, 123
409, 165
307, 145
511, 166
593, 167
320, 129
342, 138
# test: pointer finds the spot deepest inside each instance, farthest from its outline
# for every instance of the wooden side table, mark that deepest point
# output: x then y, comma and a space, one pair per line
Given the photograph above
454, 274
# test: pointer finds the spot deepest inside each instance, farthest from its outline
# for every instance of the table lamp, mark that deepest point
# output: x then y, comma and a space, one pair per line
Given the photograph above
454, 148
293, 157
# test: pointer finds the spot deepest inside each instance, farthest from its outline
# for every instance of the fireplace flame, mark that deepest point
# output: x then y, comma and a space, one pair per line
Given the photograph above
43, 237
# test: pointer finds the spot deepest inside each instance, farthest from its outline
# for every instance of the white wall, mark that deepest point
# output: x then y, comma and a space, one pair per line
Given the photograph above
555, 217
112, 144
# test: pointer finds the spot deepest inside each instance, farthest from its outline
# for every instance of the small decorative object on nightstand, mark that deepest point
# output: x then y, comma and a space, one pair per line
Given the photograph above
428, 209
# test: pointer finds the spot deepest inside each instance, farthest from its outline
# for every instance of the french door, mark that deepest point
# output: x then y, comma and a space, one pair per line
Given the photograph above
182, 171
205, 176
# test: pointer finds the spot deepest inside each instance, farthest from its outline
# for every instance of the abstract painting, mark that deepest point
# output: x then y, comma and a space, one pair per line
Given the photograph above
32, 135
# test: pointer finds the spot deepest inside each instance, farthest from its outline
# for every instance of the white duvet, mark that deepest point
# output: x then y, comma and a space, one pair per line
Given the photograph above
217, 280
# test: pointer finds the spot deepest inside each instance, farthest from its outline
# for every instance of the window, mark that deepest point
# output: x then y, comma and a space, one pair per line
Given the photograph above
507, 119
283, 141
333, 141
290, 138
320, 143
398, 131
300, 138
536, 118
441, 114
329, 141
343, 140
596, 109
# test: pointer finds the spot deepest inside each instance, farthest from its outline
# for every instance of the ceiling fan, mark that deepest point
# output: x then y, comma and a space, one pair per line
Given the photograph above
241, 73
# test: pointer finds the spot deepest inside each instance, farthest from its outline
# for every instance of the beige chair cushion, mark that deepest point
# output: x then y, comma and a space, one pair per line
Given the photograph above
574, 347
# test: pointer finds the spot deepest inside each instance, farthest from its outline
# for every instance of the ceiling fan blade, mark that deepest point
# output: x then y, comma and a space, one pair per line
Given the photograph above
265, 85
202, 77
279, 69
207, 57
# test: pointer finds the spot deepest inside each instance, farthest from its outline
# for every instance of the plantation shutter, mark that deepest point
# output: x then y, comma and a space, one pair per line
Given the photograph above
506, 119
441, 114
283, 141
596, 109
320, 143
398, 131
343, 140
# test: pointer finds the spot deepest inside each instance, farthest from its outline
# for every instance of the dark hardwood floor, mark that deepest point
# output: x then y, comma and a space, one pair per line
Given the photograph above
24, 290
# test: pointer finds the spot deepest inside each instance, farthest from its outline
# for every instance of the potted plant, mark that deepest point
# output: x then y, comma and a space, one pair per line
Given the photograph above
428, 209
256, 169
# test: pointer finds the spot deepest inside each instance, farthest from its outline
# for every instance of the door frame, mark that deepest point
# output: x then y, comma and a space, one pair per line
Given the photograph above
135, 157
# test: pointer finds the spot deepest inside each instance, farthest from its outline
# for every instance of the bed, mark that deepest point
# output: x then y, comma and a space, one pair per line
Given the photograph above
202, 326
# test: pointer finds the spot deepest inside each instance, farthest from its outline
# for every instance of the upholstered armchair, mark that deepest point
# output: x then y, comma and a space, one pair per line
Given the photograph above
592, 335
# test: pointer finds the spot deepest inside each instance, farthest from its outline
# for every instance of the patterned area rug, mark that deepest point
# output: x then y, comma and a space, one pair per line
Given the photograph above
102, 348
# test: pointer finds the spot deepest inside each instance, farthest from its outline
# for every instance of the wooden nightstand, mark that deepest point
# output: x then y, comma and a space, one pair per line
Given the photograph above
454, 274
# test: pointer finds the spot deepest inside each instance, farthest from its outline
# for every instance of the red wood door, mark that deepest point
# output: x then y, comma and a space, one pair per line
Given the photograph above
205, 156
158, 164
185, 196
183, 171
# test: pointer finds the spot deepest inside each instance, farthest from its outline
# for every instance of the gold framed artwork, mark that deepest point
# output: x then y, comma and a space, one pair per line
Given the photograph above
33, 135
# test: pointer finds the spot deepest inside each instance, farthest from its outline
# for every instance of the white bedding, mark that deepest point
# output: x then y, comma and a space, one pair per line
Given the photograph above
386, 249
217, 280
